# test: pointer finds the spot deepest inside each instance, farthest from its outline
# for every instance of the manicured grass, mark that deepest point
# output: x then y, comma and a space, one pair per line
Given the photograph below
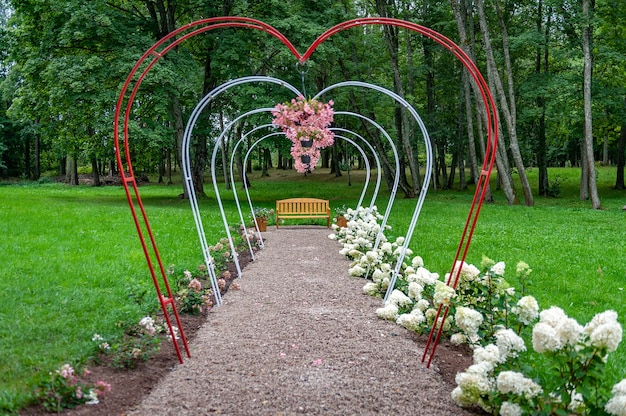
72, 265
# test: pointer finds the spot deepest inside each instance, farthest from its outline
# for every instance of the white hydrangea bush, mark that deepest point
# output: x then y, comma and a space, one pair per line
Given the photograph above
360, 234
488, 300
573, 382
487, 313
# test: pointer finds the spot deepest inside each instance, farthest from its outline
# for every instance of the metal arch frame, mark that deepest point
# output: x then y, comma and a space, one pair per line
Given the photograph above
359, 148
158, 50
189, 129
191, 123
378, 167
232, 181
427, 176
218, 90
396, 179
218, 143
218, 197
186, 165
379, 179
232, 176
384, 132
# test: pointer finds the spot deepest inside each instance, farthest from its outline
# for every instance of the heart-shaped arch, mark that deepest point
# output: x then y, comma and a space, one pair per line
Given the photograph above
167, 43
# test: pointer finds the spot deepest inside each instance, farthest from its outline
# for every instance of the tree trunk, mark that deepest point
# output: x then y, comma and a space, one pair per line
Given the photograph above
469, 120
402, 121
224, 149
37, 167
502, 161
168, 159
457, 155
621, 158
587, 78
27, 158
325, 158
507, 104
462, 15
71, 175
542, 162
179, 127
225, 163
264, 156
239, 157
95, 171
584, 173
161, 166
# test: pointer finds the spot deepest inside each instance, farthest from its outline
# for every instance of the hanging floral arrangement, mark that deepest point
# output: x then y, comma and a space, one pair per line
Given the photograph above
306, 123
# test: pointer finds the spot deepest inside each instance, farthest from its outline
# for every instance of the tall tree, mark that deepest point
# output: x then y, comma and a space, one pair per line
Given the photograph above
464, 20
587, 39
389, 8
541, 66
507, 99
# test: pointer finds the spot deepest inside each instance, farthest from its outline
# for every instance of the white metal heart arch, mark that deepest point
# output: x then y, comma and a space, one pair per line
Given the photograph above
253, 145
188, 179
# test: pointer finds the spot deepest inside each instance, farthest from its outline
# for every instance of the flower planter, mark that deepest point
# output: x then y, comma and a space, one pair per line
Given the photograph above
305, 159
261, 223
342, 222
306, 143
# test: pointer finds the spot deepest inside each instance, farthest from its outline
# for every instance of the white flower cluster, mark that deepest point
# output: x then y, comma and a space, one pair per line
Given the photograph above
443, 294
518, 384
483, 306
617, 404
473, 385
388, 312
360, 234
467, 273
468, 320
395, 302
527, 310
486, 361
424, 288
148, 325
511, 409
604, 331
509, 343
555, 331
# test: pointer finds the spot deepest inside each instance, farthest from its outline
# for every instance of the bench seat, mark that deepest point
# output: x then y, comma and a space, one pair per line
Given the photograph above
300, 208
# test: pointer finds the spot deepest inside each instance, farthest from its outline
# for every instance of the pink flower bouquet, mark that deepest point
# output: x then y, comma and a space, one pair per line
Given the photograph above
305, 120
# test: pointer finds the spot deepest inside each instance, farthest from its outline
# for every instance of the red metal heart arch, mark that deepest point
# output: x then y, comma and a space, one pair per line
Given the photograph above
163, 46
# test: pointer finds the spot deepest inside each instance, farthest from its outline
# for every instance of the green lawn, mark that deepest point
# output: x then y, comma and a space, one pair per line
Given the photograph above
72, 265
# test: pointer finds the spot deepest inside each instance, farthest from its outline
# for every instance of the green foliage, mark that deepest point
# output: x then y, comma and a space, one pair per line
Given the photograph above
63, 389
193, 294
137, 344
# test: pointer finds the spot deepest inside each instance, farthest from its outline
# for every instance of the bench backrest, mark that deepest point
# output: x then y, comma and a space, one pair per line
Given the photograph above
302, 206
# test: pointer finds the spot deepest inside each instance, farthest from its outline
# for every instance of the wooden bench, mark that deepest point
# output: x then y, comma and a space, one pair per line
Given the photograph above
295, 208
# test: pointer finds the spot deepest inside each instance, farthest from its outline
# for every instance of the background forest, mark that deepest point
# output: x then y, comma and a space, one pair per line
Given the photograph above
556, 69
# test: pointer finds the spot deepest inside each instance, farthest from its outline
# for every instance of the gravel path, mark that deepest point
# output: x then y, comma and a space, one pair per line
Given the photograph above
300, 338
